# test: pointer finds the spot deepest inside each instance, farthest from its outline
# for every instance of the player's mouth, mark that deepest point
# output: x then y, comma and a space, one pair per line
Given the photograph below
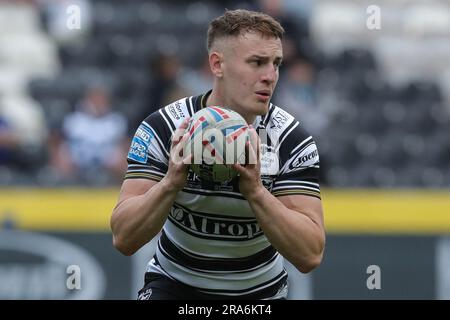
263, 95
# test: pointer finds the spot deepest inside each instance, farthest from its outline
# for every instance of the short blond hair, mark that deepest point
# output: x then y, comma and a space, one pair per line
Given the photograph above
236, 22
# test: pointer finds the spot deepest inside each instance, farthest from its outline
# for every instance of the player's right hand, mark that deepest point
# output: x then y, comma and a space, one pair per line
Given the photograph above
178, 164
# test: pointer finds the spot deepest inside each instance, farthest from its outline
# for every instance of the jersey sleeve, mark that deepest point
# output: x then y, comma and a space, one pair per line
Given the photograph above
300, 165
148, 156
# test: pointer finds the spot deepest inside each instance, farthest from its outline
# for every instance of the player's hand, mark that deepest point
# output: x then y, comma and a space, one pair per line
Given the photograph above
178, 164
250, 174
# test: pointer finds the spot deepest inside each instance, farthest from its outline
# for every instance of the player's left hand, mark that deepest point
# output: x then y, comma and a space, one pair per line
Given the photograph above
250, 173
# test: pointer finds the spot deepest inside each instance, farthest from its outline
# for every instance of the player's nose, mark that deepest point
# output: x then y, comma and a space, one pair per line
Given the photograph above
269, 75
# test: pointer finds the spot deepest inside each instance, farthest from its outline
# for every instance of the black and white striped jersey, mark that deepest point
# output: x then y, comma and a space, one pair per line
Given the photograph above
211, 239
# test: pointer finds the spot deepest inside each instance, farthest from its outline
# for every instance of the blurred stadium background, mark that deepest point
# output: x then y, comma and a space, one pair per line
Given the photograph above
377, 101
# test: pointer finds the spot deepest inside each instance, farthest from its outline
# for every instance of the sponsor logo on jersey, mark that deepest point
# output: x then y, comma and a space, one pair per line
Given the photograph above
267, 182
279, 120
214, 227
269, 163
145, 295
305, 158
143, 134
140, 144
176, 111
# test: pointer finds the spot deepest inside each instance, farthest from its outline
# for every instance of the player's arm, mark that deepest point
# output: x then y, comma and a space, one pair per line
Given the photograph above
293, 224
140, 213
143, 204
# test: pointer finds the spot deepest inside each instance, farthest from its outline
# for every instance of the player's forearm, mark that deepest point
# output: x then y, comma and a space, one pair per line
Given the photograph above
137, 220
295, 236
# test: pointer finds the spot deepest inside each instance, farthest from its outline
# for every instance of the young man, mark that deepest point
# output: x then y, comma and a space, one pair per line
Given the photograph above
225, 240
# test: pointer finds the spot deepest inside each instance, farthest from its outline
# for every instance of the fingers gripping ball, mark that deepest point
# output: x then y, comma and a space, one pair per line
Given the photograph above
217, 138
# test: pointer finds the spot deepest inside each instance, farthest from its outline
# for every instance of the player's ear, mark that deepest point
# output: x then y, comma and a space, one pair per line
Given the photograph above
215, 63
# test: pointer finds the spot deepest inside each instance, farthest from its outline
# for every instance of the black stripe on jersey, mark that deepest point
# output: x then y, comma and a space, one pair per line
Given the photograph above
151, 165
287, 131
137, 171
157, 123
147, 168
309, 174
147, 176
290, 185
204, 99
214, 193
158, 161
268, 289
167, 118
295, 187
207, 264
189, 106
268, 115
302, 145
296, 191
265, 136
287, 155
160, 129
199, 102
313, 166
296, 182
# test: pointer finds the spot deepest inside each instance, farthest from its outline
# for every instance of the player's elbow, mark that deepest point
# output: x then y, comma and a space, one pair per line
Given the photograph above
123, 247
309, 264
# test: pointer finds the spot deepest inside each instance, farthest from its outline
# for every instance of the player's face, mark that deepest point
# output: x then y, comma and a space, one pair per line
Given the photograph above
250, 72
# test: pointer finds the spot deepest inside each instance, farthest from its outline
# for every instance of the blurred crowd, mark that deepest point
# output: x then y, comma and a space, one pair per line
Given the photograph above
71, 98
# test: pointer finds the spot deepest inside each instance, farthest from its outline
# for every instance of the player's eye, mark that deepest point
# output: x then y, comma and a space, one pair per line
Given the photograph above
257, 62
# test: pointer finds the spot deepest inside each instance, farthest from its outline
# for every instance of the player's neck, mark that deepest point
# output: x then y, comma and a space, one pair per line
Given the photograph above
216, 99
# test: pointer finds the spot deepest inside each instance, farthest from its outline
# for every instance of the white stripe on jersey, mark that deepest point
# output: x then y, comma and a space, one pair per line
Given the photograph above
253, 289
156, 173
153, 267
295, 187
282, 292
191, 105
285, 136
301, 145
223, 281
296, 182
167, 121
177, 112
169, 257
161, 144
